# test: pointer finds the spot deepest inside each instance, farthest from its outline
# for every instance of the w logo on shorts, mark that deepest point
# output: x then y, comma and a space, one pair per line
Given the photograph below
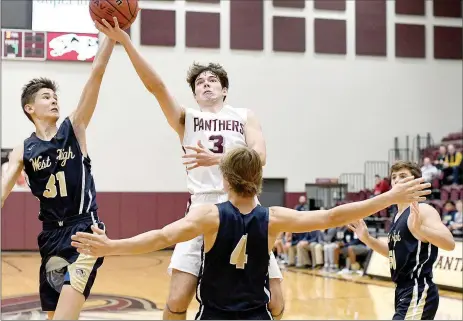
80, 273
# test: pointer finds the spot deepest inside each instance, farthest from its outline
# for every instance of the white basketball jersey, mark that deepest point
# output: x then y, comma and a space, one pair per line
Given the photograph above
217, 131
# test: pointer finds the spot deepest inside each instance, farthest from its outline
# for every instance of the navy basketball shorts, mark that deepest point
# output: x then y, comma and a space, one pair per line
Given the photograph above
212, 314
62, 264
417, 301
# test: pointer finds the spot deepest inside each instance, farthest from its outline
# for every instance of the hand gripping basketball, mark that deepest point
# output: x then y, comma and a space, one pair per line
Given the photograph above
115, 33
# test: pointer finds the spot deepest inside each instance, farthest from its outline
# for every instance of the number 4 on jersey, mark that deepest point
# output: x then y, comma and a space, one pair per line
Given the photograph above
239, 256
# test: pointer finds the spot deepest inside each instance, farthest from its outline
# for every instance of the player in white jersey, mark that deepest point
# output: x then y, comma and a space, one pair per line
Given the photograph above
205, 135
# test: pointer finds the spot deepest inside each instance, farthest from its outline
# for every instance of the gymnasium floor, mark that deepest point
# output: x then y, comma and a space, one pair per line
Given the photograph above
136, 288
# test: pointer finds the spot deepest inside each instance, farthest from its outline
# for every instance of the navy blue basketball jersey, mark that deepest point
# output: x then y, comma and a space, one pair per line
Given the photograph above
234, 273
409, 258
59, 175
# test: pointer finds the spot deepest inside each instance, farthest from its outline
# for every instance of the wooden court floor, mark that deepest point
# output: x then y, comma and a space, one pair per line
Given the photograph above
135, 287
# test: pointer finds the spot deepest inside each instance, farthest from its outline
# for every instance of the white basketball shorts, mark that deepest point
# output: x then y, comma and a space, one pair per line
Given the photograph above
187, 255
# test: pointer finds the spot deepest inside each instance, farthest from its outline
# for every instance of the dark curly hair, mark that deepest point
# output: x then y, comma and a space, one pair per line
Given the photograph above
197, 69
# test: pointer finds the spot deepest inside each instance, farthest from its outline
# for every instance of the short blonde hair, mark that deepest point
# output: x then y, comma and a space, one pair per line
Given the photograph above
242, 169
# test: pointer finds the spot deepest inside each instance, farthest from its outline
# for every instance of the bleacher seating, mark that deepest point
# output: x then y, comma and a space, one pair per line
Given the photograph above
441, 193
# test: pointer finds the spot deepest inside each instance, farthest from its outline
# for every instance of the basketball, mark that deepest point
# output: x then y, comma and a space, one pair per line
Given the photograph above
124, 10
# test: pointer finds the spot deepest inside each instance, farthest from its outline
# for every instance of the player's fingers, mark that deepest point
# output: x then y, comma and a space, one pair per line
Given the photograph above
190, 155
99, 26
106, 23
97, 230
196, 149
200, 144
419, 187
406, 179
415, 182
116, 23
193, 167
422, 193
351, 227
78, 245
85, 237
189, 162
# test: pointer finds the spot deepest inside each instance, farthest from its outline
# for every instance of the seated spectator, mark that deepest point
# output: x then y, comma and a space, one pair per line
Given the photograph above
278, 247
451, 167
440, 159
353, 248
340, 241
452, 217
290, 246
429, 171
287, 243
326, 239
309, 244
381, 185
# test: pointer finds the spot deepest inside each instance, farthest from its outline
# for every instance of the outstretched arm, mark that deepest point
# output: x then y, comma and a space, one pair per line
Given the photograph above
255, 137
425, 223
15, 166
80, 118
360, 228
173, 112
201, 220
285, 219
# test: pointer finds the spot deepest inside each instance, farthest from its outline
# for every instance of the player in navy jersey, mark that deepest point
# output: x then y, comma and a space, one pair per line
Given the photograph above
239, 235
58, 171
416, 234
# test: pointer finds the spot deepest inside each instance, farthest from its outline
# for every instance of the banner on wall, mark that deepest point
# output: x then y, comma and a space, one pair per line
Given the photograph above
447, 269
62, 15
21, 183
65, 46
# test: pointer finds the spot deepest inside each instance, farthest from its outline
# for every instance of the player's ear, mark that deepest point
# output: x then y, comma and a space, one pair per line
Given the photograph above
29, 109
225, 91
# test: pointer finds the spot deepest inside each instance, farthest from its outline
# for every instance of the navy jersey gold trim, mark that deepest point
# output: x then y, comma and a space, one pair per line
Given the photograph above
409, 258
59, 175
411, 262
234, 273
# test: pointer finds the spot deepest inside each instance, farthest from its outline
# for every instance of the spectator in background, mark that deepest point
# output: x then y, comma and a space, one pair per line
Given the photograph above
429, 171
278, 247
452, 165
453, 218
292, 239
338, 244
329, 237
440, 159
353, 248
308, 244
302, 205
381, 185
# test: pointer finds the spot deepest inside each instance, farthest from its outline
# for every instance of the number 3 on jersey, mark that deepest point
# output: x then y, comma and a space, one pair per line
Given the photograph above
239, 256
218, 144
51, 191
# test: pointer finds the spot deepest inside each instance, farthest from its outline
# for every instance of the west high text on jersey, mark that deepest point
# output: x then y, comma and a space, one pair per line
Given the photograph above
38, 163
64, 156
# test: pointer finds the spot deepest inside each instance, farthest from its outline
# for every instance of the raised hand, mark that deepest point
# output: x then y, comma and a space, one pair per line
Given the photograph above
201, 157
415, 217
115, 33
97, 244
410, 190
360, 229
